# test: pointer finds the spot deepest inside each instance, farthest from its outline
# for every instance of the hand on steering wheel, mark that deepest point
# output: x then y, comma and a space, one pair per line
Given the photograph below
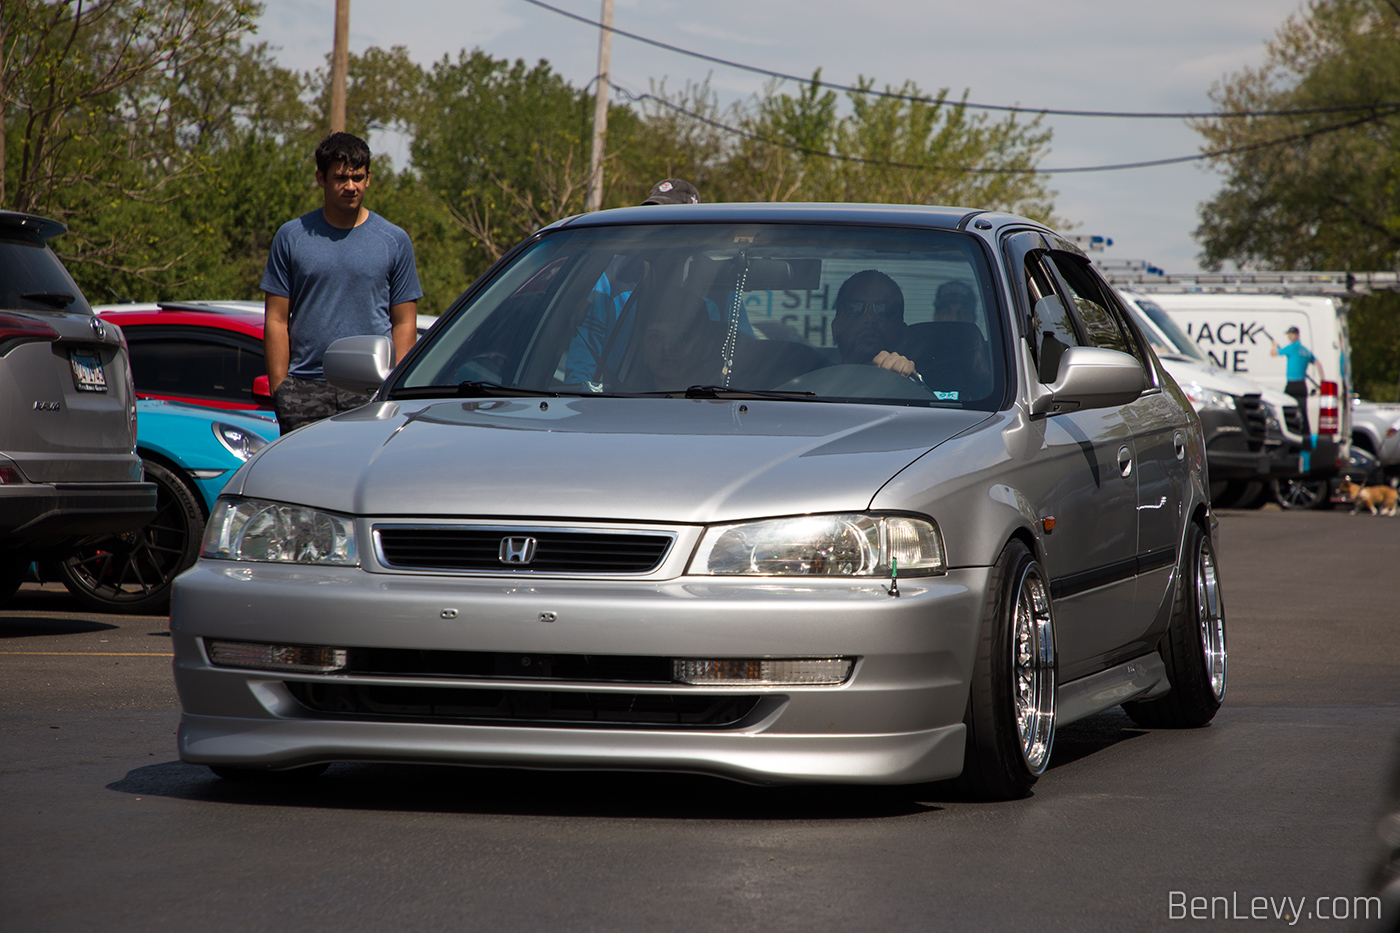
895, 363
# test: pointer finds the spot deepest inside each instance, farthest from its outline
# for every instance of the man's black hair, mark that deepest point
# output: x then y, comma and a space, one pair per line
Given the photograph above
873, 281
342, 147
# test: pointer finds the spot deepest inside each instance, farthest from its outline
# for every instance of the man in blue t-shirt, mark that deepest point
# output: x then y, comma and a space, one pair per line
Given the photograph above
339, 271
1296, 357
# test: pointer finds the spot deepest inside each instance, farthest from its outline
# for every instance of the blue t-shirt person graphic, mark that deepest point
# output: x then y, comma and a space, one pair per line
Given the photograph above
1297, 359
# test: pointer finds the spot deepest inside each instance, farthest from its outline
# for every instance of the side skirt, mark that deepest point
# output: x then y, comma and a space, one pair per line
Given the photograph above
1143, 678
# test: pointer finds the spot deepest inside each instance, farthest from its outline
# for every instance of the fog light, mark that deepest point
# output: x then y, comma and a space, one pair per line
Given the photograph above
309, 659
782, 671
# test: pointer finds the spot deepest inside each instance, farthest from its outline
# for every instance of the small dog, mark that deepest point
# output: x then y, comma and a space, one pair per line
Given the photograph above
1381, 500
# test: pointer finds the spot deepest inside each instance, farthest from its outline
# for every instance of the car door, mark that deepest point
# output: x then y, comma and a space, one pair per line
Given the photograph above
1082, 479
1158, 426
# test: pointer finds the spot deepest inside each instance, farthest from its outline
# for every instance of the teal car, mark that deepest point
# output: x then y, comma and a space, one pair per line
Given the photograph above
189, 453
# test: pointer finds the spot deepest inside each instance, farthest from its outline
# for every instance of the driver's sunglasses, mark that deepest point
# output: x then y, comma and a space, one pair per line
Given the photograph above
881, 309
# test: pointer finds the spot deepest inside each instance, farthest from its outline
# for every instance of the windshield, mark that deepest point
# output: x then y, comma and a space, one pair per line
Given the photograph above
724, 310
1180, 344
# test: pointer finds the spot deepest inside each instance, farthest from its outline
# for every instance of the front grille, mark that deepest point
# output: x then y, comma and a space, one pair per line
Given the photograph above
486, 706
1255, 418
1293, 419
557, 550
511, 665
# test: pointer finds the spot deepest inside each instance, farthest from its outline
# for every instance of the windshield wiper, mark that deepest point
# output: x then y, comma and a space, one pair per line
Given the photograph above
469, 390
474, 389
59, 300
725, 392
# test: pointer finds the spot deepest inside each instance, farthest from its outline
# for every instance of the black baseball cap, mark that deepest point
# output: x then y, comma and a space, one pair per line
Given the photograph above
673, 191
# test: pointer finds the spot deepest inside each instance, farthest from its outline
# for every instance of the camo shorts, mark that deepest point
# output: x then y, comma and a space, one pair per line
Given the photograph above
302, 401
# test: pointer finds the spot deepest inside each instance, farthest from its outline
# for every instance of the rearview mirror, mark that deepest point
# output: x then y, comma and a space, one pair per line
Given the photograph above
359, 364
1091, 377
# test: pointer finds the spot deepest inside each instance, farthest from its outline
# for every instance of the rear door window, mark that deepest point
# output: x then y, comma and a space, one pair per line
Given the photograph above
194, 363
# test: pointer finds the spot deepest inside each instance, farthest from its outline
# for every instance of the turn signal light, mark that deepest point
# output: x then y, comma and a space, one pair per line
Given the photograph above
763, 671
309, 659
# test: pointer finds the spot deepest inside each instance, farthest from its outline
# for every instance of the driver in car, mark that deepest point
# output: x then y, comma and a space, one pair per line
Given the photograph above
869, 324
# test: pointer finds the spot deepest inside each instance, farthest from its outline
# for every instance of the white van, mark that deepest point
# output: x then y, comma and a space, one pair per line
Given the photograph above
1253, 433
1234, 330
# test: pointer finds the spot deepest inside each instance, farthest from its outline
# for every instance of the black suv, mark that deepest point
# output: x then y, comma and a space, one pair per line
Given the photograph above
68, 463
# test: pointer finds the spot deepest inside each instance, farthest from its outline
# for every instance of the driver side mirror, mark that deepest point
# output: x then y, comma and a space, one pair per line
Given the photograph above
262, 391
1090, 377
359, 364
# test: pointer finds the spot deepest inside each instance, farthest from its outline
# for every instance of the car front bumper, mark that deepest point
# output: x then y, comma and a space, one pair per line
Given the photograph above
897, 719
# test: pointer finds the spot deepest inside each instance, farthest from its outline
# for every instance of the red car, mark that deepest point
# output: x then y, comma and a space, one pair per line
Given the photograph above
207, 353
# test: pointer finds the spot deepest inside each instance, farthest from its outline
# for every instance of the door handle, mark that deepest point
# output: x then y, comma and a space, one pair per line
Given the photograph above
1125, 461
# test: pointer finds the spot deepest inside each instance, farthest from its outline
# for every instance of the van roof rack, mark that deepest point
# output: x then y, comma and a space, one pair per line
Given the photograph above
1143, 277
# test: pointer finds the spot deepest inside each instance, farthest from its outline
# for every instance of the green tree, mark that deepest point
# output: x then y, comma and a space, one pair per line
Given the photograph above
90, 117
1317, 190
504, 146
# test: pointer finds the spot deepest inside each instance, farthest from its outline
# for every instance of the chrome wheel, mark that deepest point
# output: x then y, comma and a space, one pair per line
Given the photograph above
1210, 617
1033, 666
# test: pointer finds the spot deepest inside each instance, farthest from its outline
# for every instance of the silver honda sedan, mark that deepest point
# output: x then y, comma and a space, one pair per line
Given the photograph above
780, 493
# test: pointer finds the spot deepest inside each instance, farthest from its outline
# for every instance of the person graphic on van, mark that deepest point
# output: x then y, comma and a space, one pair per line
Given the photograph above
1297, 358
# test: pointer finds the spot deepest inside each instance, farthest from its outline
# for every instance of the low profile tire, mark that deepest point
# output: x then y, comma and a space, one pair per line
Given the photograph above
1011, 701
1194, 647
132, 572
1301, 493
267, 776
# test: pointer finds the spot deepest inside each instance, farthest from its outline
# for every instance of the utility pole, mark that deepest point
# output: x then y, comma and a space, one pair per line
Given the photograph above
340, 65
594, 198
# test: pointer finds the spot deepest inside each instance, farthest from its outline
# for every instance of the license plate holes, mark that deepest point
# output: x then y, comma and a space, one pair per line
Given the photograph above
88, 374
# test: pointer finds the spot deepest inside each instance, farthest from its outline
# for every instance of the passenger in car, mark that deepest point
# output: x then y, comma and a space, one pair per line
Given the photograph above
954, 301
585, 361
680, 344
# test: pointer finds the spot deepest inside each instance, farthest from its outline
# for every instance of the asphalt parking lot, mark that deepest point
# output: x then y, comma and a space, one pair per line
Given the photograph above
104, 828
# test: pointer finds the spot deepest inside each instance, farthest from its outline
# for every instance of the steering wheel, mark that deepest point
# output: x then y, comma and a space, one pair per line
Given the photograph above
857, 380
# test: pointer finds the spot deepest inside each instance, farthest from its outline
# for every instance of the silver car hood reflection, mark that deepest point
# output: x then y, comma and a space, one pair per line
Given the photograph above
655, 460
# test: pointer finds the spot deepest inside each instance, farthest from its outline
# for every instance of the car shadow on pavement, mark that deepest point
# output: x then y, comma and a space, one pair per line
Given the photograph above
466, 790
1089, 736
33, 626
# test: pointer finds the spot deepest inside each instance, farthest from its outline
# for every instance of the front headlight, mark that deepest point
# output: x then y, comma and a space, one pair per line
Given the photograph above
823, 545
1203, 398
242, 444
255, 529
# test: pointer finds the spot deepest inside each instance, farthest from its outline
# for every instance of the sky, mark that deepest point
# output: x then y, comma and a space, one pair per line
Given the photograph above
1073, 54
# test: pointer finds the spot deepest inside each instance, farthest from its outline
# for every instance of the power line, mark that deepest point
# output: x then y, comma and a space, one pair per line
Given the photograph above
976, 170
895, 95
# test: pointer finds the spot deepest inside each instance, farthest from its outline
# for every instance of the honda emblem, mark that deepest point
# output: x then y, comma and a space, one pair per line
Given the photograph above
517, 550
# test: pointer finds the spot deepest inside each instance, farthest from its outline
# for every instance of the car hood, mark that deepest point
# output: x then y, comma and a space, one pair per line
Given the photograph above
666, 460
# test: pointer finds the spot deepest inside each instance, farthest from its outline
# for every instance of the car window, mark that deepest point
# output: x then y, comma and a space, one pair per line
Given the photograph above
191, 364
1100, 320
1050, 320
1181, 345
655, 309
29, 268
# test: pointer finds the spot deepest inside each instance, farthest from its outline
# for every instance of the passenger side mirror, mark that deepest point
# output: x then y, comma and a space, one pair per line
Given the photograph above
1090, 377
262, 391
359, 364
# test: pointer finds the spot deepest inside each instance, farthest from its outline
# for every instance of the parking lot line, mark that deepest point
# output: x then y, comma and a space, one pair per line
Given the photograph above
100, 654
